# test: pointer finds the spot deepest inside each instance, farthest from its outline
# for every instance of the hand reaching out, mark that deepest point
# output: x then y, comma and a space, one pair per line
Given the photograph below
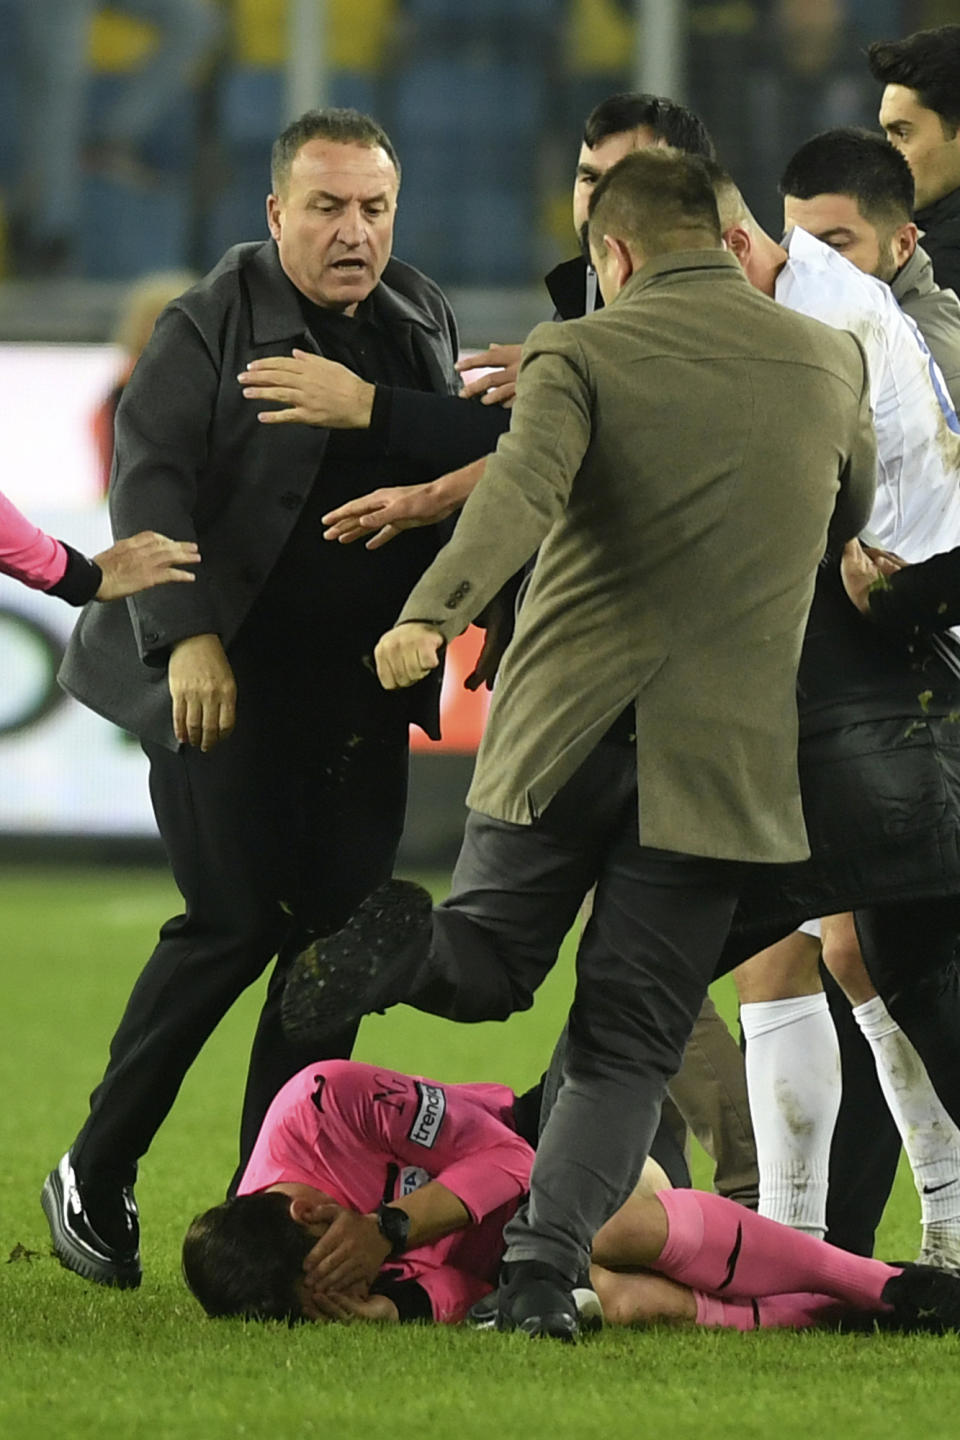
312, 390
385, 512
499, 387
143, 561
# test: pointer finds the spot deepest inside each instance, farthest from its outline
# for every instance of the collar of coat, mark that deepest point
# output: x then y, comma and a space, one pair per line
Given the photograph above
275, 300
940, 212
567, 287
682, 265
915, 277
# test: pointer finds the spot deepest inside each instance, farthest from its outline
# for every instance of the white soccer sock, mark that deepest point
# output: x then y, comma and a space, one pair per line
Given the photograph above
793, 1081
930, 1138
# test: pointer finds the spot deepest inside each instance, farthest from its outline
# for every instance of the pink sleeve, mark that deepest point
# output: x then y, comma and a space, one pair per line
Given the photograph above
450, 1134
451, 1292
26, 552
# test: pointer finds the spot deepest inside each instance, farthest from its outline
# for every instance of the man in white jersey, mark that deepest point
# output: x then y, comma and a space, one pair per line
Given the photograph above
917, 509
855, 191
917, 512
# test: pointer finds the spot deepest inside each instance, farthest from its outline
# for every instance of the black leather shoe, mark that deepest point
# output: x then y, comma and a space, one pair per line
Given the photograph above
922, 1298
482, 1314
76, 1243
538, 1300
368, 965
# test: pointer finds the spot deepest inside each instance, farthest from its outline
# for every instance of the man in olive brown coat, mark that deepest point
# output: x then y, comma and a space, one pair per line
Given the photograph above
676, 458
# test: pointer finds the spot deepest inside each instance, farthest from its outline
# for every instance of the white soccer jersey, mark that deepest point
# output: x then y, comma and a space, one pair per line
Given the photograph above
917, 509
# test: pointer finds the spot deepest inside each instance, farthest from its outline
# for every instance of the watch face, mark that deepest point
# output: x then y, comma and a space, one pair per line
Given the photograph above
394, 1226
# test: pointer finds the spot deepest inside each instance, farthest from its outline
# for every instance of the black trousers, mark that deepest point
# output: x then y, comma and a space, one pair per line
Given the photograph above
865, 1149
649, 949
910, 951
279, 831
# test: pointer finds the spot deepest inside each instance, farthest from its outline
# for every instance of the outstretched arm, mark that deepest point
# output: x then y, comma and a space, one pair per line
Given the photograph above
38, 560
499, 385
382, 514
524, 490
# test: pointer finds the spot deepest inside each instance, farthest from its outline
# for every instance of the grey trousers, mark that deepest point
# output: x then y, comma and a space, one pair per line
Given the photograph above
645, 958
708, 1098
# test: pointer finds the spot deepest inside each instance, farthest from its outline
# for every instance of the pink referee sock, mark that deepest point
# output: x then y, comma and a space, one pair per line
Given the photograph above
719, 1247
772, 1312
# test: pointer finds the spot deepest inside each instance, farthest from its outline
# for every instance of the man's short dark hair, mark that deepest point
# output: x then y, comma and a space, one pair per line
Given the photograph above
857, 163
245, 1257
928, 62
670, 122
660, 199
343, 127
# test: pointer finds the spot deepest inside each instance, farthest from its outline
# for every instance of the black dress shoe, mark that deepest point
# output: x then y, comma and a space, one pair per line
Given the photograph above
77, 1245
368, 965
922, 1298
538, 1300
482, 1314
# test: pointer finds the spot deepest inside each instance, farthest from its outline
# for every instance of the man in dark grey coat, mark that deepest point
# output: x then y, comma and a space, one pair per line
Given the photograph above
278, 766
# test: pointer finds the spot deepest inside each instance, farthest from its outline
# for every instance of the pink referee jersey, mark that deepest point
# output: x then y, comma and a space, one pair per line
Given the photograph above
365, 1134
26, 552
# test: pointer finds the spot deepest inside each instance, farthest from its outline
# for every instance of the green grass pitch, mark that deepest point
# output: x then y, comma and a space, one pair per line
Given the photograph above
80, 1361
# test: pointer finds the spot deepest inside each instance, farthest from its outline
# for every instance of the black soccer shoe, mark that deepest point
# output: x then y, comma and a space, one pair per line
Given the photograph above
76, 1243
922, 1298
368, 965
538, 1300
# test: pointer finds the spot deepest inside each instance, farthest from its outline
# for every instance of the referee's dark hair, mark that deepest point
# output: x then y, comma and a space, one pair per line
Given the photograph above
929, 63
672, 123
659, 199
857, 163
343, 127
245, 1258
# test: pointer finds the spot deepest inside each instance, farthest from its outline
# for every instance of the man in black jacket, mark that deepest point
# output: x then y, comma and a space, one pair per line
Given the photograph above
278, 765
920, 112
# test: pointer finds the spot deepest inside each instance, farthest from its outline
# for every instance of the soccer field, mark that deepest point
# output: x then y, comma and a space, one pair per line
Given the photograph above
80, 1361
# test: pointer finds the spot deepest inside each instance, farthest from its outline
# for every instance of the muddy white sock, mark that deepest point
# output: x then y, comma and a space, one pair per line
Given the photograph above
793, 1080
930, 1138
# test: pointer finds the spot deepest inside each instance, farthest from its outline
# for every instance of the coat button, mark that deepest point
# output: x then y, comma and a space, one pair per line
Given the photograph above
290, 500
453, 600
151, 636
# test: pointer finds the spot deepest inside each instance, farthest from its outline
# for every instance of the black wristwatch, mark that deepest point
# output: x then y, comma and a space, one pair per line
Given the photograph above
394, 1225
